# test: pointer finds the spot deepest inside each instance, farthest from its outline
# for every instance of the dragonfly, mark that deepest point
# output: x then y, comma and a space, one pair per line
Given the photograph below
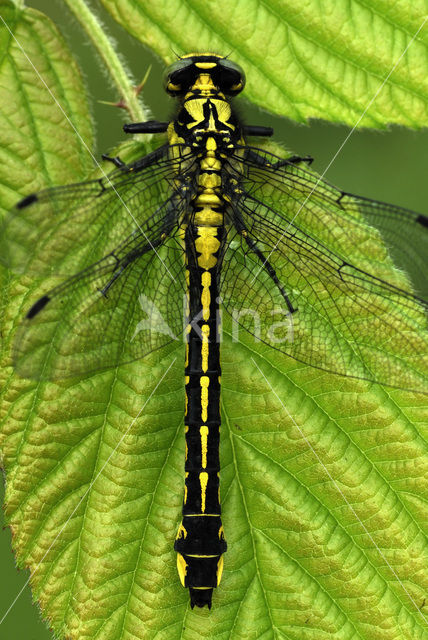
208, 221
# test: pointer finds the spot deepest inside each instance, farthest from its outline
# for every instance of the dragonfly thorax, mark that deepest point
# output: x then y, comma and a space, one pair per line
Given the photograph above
201, 118
204, 83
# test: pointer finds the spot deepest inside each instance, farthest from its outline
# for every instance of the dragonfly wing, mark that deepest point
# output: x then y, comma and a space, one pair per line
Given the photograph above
291, 187
404, 232
335, 316
63, 230
123, 307
119, 237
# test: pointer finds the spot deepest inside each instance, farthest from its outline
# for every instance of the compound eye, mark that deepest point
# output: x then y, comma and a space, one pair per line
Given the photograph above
179, 77
231, 77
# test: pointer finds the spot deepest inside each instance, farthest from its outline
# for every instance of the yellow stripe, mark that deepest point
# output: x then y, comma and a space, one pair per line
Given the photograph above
204, 444
186, 399
181, 533
220, 569
182, 568
203, 479
206, 294
202, 515
205, 346
205, 381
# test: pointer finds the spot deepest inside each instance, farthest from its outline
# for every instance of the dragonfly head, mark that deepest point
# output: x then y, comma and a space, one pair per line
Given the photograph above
206, 73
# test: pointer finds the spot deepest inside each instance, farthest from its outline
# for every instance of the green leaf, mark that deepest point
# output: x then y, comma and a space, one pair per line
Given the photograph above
40, 84
39, 148
303, 59
323, 478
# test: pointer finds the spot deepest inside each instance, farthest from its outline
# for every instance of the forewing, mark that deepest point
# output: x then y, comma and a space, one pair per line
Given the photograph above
344, 320
63, 230
120, 240
289, 188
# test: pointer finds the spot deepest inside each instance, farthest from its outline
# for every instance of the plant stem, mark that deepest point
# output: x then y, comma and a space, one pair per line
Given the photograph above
103, 45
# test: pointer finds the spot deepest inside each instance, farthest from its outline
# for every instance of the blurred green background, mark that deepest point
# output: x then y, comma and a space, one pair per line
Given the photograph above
390, 165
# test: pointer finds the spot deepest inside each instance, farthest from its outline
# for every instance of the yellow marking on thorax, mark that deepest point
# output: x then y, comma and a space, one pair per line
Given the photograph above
207, 244
181, 533
224, 112
209, 162
205, 381
210, 156
205, 346
204, 444
203, 479
211, 123
195, 109
174, 139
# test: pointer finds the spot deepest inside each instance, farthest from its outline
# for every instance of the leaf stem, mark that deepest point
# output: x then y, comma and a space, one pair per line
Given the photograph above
96, 33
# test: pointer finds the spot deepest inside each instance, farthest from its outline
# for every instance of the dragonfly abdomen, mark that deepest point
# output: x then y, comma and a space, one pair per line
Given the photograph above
200, 539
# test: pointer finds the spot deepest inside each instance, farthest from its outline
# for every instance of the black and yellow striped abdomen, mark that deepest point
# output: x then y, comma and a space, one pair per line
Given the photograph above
200, 540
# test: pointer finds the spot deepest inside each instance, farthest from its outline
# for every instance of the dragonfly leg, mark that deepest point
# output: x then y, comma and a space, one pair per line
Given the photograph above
112, 280
250, 130
116, 161
151, 126
142, 163
295, 160
265, 264
422, 220
261, 161
252, 245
